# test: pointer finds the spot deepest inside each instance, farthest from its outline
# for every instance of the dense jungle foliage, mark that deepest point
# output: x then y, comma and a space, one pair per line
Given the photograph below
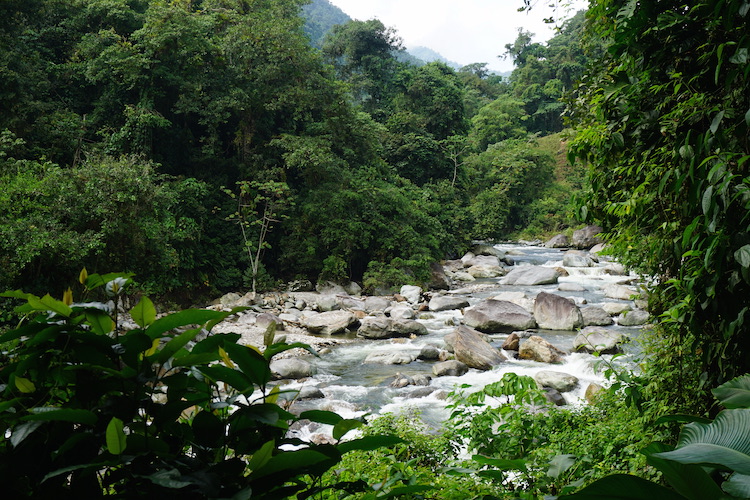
220, 145
131, 128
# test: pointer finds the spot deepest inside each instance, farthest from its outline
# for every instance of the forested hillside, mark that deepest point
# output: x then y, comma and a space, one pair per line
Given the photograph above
156, 137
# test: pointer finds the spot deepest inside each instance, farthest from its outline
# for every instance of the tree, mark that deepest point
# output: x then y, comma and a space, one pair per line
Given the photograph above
664, 127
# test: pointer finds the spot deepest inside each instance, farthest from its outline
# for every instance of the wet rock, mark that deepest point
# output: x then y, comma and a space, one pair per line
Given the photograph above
577, 258
596, 316
411, 293
407, 327
330, 322
265, 320
421, 392
518, 298
429, 353
535, 348
300, 286
463, 276
471, 348
447, 302
291, 368
309, 392
554, 396
421, 379
482, 271
620, 292
597, 339
330, 288
592, 391
495, 316
586, 237
636, 317
400, 381
571, 287
558, 241
484, 249
452, 368
389, 358
553, 312
531, 276
353, 288
560, 381
327, 303
401, 311
615, 269
377, 304
382, 327
512, 342
438, 279
615, 308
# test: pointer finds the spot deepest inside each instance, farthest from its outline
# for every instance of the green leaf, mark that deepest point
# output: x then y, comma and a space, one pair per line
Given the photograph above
195, 359
689, 480
175, 344
20, 432
144, 312
344, 426
115, 436
747, 118
559, 464
501, 463
707, 198
208, 430
724, 442
321, 416
738, 486
262, 456
742, 256
736, 392
235, 378
368, 443
47, 303
407, 490
77, 416
100, 322
275, 349
290, 461
623, 487
252, 364
716, 121
24, 385
683, 419
182, 318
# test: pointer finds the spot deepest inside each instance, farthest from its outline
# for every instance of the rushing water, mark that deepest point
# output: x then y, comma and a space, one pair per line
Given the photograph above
353, 388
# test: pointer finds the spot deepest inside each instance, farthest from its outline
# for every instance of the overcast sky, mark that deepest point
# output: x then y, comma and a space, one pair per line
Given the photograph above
463, 31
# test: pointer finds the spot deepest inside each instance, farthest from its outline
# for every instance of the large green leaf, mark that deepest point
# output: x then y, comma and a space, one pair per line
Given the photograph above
144, 312
724, 442
175, 344
738, 485
115, 436
322, 416
101, 323
77, 416
735, 393
689, 480
252, 364
262, 456
182, 318
623, 487
344, 426
368, 443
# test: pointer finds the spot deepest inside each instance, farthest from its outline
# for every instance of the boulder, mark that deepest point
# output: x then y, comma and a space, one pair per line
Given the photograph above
411, 293
615, 308
484, 271
531, 276
471, 348
400, 380
586, 237
597, 339
438, 279
577, 258
353, 288
463, 276
636, 317
330, 322
300, 286
592, 390
571, 287
620, 292
264, 320
451, 368
377, 303
327, 303
308, 392
518, 298
498, 316
596, 316
382, 327
421, 392
558, 241
389, 358
291, 368
447, 302
554, 396
330, 288
535, 348
615, 269
480, 260
429, 353
512, 342
401, 311
560, 381
553, 312
484, 249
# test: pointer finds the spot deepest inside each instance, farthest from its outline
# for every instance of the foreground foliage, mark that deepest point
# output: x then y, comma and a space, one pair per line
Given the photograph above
89, 409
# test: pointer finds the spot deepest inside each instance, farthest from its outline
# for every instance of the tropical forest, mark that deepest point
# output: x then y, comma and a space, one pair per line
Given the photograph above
259, 249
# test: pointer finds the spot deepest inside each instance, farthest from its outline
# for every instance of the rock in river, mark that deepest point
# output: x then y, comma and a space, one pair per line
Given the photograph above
471, 348
492, 316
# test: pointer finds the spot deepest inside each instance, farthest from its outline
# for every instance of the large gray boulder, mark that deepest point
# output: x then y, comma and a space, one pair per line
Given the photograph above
558, 241
553, 312
471, 348
563, 382
586, 238
531, 275
401, 311
447, 302
535, 348
291, 368
389, 358
636, 317
577, 258
438, 279
596, 316
451, 368
382, 327
615, 308
597, 339
411, 293
620, 292
493, 316
377, 303
329, 322
484, 249
264, 320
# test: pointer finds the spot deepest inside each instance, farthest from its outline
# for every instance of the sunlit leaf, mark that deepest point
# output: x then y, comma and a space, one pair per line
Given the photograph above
262, 456
101, 323
623, 487
115, 436
144, 312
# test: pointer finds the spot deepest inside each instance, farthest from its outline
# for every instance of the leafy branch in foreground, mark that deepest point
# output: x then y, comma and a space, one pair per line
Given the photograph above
89, 408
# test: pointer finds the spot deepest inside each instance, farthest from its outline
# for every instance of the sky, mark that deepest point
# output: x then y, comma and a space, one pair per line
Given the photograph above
462, 31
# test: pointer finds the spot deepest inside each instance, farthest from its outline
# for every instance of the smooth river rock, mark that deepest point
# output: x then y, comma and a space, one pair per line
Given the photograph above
329, 322
494, 316
291, 368
471, 348
447, 302
597, 339
553, 312
531, 276
596, 316
450, 368
636, 317
563, 382
382, 327
535, 348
